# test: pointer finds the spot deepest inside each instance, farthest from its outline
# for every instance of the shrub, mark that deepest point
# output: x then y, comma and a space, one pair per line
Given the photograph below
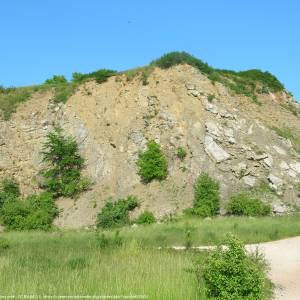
63, 92
268, 80
146, 217
4, 244
211, 97
152, 163
63, 175
181, 153
56, 79
243, 204
35, 212
206, 196
145, 76
244, 82
176, 58
9, 191
229, 273
115, 214
100, 76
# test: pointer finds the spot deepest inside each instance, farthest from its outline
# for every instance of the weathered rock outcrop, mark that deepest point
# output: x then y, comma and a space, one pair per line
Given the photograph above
231, 138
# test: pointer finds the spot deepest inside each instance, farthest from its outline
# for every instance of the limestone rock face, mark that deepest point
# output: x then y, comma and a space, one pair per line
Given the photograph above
229, 137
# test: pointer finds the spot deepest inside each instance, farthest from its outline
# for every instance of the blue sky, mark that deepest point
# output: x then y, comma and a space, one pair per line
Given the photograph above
42, 38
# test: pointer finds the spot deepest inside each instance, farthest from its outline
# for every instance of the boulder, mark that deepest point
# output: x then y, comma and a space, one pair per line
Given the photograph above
279, 150
226, 115
213, 129
138, 138
284, 166
195, 93
279, 209
214, 151
211, 108
268, 161
232, 140
275, 182
190, 86
257, 157
249, 180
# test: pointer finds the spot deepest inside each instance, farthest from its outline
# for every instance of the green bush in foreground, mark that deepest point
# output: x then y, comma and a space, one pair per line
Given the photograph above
116, 214
63, 175
206, 197
152, 163
243, 204
35, 212
146, 217
230, 273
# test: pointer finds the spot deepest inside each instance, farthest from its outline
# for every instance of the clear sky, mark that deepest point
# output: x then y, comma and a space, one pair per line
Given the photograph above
39, 38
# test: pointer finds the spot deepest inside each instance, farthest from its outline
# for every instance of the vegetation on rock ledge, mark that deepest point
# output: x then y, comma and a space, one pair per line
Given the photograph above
152, 163
248, 83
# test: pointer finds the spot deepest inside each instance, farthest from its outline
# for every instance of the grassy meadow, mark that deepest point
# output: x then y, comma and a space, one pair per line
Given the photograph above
74, 264
93, 263
212, 231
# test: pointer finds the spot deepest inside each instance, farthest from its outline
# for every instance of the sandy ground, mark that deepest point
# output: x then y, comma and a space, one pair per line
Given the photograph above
284, 259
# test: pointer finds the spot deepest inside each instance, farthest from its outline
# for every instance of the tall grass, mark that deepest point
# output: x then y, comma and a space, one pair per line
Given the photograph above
214, 231
74, 264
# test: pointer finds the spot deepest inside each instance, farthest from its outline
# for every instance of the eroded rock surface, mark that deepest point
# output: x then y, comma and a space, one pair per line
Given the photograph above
229, 137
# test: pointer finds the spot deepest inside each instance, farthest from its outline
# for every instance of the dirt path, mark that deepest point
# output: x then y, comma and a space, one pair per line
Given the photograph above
284, 259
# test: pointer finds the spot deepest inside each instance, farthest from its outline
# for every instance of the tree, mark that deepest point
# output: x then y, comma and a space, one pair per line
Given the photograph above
63, 175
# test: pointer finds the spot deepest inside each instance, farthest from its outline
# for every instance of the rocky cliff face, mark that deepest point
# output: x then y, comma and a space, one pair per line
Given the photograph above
230, 137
